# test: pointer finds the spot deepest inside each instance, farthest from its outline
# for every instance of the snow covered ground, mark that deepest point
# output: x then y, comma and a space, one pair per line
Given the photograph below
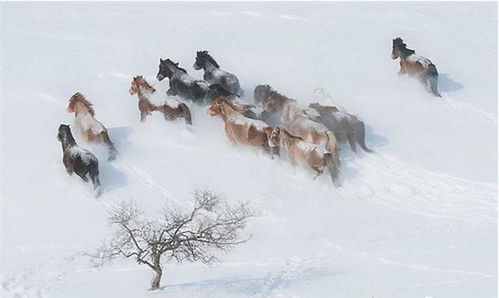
416, 219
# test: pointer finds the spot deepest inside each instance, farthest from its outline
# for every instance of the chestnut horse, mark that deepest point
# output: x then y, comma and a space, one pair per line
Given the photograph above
143, 90
312, 156
415, 65
90, 129
239, 129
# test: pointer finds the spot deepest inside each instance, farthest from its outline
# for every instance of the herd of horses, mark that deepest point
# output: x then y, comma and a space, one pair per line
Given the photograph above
306, 136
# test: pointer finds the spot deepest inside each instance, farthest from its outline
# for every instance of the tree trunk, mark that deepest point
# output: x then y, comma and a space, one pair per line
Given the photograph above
157, 279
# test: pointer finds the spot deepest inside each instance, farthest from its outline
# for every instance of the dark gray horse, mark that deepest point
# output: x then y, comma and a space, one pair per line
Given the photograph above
181, 83
77, 159
346, 127
214, 75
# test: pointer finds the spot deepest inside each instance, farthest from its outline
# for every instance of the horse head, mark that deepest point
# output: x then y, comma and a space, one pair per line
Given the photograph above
261, 94
139, 82
167, 68
64, 133
216, 106
79, 98
273, 135
200, 60
399, 49
202, 57
134, 88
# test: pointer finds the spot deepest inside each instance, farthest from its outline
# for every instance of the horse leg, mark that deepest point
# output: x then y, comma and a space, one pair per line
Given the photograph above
351, 141
402, 69
69, 171
273, 151
171, 92
83, 175
143, 116
317, 171
94, 175
231, 139
68, 164
333, 170
186, 113
107, 141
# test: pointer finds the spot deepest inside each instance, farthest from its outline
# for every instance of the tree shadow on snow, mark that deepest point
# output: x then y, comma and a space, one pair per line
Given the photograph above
264, 285
447, 84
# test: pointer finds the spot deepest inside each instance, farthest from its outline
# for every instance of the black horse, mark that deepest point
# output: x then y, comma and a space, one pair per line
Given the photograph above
77, 159
181, 83
214, 75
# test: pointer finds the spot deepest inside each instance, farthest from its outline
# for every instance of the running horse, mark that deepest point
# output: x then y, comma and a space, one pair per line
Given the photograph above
415, 66
311, 156
296, 122
214, 75
78, 160
89, 128
240, 129
181, 83
170, 111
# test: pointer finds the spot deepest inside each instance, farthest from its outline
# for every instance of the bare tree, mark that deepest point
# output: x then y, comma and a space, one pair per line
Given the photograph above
180, 236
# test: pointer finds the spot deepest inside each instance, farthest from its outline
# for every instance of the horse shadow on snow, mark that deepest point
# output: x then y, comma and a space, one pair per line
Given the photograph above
111, 176
447, 84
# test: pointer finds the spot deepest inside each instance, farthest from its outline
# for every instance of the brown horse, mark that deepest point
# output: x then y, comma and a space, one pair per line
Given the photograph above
239, 129
143, 90
295, 120
311, 156
415, 66
90, 129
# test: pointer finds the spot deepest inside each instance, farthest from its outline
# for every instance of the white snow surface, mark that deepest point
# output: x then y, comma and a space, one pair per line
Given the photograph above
415, 219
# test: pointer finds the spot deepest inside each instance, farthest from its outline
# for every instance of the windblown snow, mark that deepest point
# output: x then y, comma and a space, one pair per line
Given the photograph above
417, 218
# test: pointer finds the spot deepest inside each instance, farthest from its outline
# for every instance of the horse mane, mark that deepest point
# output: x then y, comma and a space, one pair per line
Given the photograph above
278, 96
176, 65
288, 138
207, 56
67, 133
399, 43
142, 81
232, 105
79, 98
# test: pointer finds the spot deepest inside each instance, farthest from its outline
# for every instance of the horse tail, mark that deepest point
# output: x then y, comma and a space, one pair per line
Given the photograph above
332, 158
94, 176
432, 79
360, 135
112, 150
332, 168
186, 113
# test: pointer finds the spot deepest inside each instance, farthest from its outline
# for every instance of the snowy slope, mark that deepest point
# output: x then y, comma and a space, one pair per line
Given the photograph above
417, 218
